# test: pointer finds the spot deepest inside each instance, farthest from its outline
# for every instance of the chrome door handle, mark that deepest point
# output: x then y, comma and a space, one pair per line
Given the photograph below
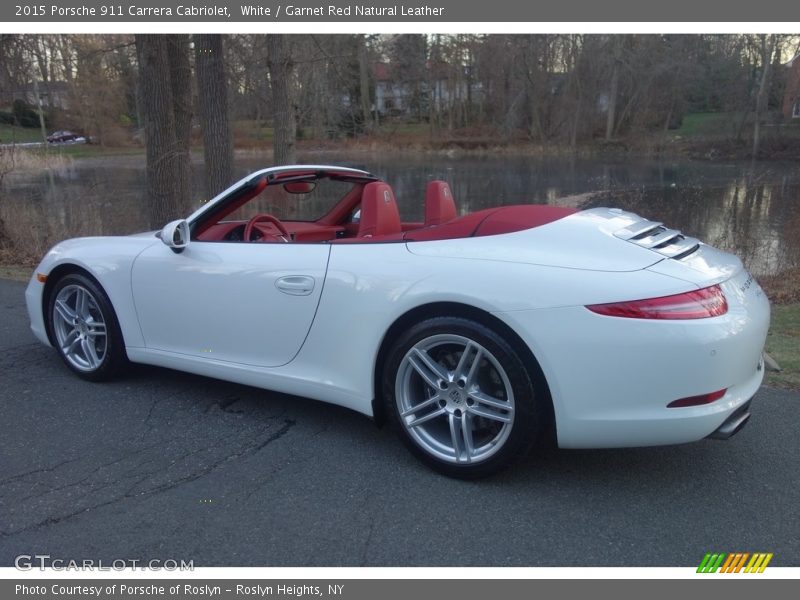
295, 285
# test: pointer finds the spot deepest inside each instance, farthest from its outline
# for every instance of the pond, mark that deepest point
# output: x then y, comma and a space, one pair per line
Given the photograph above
752, 210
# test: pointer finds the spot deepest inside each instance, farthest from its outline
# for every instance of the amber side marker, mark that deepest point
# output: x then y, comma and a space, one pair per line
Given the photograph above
41, 277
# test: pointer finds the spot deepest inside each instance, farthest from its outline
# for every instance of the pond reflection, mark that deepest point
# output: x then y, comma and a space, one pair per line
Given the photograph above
751, 210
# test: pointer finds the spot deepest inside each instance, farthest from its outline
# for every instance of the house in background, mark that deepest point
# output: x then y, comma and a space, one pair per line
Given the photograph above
390, 97
54, 94
437, 87
791, 97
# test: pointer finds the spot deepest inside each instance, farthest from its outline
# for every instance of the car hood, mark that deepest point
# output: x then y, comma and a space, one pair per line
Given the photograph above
589, 240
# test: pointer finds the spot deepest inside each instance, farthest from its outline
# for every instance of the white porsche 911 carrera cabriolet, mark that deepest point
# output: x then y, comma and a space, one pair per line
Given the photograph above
476, 335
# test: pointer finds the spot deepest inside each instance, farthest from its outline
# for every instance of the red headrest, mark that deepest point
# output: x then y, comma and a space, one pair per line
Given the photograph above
440, 207
379, 214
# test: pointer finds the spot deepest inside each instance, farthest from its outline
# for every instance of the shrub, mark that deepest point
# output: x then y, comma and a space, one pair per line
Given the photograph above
26, 115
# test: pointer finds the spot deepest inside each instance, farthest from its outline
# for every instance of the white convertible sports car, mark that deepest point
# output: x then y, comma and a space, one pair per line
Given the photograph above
476, 335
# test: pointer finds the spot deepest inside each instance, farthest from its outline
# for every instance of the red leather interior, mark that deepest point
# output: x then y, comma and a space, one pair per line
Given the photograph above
380, 218
462, 227
300, 231
525, 216
379, 213
411, 225
493, 221
440, 206
304, 231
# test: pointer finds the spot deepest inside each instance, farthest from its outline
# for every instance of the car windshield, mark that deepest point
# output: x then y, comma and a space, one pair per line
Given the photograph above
286, 206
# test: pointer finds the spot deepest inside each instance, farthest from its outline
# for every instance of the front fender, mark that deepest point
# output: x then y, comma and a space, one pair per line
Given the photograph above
108, 260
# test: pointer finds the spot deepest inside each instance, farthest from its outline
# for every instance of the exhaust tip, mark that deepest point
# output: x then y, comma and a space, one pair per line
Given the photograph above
731, 426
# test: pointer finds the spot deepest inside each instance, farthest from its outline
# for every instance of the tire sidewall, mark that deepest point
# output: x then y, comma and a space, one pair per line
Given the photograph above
115, 357
527, 414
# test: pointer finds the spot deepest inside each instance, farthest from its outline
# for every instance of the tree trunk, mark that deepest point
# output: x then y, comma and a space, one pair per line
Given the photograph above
212, 95
576, 60
284, 120
181, 79
39, 109
167, 161
761, 98
576, 120
363, 79
612, 93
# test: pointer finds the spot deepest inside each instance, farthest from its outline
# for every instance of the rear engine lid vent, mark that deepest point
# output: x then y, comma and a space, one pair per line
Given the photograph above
652, 235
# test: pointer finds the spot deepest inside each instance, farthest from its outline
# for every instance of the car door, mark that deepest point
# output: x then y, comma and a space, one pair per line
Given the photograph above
250, 303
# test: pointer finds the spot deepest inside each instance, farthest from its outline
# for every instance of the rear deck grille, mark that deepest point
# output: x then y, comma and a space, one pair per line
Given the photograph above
652, 235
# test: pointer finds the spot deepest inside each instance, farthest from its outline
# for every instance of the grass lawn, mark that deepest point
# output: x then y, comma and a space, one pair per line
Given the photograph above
412, 129
783, 344
699, 124
15, 272
92, 150
246, 132
10, 133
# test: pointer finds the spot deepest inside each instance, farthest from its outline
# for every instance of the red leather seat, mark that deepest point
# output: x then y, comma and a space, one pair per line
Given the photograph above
440, 207
379, 213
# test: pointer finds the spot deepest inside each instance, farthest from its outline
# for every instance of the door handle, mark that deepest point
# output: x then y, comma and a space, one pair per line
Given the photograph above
295, 285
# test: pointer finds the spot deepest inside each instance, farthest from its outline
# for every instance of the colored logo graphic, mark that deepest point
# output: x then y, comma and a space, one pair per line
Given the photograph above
735, 562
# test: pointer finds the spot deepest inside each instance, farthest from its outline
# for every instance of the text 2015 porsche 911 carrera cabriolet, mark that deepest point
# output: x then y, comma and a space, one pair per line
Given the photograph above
475, 334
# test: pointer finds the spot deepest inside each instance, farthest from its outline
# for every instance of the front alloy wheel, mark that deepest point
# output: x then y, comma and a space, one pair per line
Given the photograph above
79, 328
84, 328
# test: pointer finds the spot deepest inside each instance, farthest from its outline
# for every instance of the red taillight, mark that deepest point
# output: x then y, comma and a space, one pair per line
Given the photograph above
697, 400
699, 304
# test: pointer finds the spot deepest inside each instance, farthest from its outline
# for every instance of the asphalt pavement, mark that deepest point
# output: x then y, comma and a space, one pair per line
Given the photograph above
165, 465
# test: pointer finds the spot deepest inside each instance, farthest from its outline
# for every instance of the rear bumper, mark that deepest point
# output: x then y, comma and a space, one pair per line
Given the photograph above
611, 378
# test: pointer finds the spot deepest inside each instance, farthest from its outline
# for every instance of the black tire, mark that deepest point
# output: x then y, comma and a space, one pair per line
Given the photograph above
114, 358
529, 411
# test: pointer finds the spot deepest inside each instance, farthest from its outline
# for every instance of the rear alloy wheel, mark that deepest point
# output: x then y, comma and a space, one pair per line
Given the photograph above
461, 396
84, 328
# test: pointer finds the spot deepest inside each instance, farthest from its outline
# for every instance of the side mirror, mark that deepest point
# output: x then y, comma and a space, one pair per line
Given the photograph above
175, 235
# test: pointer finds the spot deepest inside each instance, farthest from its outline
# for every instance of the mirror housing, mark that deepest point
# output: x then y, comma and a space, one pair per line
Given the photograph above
299, 187
175, 234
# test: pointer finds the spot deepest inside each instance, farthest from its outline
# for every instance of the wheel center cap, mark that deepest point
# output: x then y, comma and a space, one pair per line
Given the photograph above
455, 395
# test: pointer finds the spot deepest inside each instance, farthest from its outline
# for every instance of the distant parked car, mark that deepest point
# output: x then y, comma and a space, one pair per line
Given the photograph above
66, 137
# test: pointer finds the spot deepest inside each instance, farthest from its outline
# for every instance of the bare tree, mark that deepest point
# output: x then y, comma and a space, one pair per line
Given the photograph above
613, 89
180, 70
767, 45
99, 73
212, 96
164, 111
557, 88
284, 119
364, 69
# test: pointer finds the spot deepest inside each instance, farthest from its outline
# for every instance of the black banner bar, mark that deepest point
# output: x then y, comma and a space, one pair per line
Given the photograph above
370, 589
434, 11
